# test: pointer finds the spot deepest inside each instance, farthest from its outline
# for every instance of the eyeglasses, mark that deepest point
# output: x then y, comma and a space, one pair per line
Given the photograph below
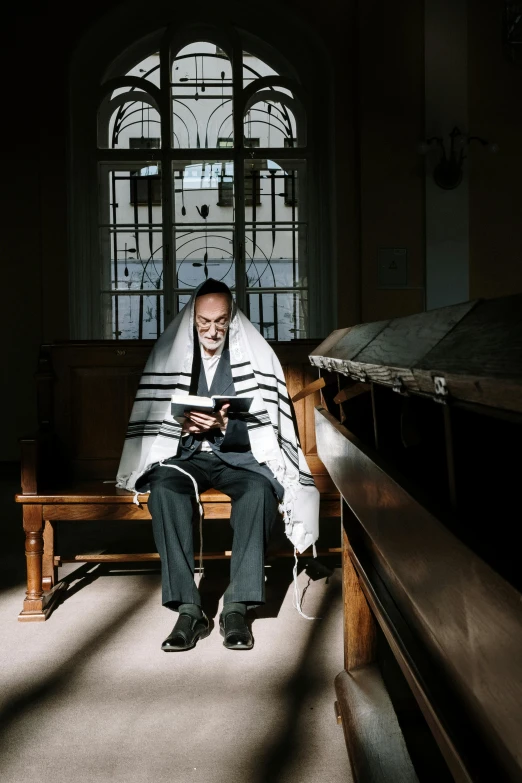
204, 326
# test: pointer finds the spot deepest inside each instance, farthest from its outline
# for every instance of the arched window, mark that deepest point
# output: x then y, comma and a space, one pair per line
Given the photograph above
203, 170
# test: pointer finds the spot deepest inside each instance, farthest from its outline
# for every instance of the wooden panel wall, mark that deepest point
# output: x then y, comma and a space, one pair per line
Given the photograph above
104, 396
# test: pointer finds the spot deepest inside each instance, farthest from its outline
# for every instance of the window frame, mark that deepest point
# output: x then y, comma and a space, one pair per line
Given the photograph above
117, 48
150, 183
252, 143
290, 201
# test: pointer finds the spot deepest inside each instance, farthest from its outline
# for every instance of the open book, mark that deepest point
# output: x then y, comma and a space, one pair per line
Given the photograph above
190, 402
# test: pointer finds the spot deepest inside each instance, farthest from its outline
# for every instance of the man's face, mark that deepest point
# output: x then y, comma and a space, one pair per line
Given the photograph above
212, 319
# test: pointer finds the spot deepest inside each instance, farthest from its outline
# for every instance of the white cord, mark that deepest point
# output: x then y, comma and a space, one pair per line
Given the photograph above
200, 507
297, 592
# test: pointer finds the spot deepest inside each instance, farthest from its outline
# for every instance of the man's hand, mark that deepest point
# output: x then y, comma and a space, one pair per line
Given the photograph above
202, 422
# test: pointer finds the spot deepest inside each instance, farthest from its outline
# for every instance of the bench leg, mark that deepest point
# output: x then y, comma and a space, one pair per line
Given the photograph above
33, 527
37, 606
49, 570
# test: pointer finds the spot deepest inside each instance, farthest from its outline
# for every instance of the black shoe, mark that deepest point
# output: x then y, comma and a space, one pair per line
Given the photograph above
235, 632
187, 631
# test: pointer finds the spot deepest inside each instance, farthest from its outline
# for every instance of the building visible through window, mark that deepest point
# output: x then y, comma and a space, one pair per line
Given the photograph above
145, 183
252, 178
225, 182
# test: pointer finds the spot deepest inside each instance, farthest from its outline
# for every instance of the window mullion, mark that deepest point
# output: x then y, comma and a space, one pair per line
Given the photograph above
167, 207
239, 178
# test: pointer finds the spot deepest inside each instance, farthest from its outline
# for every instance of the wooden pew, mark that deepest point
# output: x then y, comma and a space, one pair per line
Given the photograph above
85, 392
423, 457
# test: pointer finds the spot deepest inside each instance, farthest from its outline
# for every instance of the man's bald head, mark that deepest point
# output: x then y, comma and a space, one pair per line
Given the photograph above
212, 316
212, 286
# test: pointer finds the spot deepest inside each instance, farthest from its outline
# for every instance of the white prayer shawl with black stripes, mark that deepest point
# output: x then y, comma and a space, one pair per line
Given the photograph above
153, 435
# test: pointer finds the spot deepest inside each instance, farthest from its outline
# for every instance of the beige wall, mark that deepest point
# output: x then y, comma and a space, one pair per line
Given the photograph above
495, 113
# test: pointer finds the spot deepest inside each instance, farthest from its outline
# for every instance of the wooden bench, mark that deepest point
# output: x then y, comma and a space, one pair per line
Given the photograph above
85, 392
423, 457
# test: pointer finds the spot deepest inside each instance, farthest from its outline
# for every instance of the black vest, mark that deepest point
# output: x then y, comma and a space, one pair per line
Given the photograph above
222, 383
234, 447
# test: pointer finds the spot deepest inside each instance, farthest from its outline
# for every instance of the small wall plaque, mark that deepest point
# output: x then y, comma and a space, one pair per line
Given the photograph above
392, 267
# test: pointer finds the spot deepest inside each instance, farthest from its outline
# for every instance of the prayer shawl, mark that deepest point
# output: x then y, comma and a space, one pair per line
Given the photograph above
153, 435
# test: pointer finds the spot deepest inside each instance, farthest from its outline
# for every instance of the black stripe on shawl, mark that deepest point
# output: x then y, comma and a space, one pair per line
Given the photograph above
173, 374
260, 415
244, 391
162, 386
274, 402
270, 375
275, 390
156, 426
243, 364
281, 411
257, 424
291, 456
240, 378
290, 444
153, 399
145, 421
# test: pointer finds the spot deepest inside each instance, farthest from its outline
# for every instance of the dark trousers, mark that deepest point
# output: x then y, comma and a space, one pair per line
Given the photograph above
254, 511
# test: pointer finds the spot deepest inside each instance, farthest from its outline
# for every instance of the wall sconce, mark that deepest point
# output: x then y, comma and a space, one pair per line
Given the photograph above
447, 173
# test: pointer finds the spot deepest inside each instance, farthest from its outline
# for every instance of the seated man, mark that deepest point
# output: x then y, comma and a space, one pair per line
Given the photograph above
255, 458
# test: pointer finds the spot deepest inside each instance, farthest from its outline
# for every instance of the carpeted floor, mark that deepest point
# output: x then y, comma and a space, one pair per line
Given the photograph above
89, 696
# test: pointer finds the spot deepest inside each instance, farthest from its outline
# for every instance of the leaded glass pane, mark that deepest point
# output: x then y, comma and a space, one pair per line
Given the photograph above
276, 248
254, 68
148, 69
131, 244
201, 97
135, 257
131, 194
272, 121
129, 120
203, 222
279, 316
134, 317
131, 112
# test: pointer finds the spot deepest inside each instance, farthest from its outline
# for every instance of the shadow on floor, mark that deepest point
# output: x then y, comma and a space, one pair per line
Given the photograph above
275, 759
52, 684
